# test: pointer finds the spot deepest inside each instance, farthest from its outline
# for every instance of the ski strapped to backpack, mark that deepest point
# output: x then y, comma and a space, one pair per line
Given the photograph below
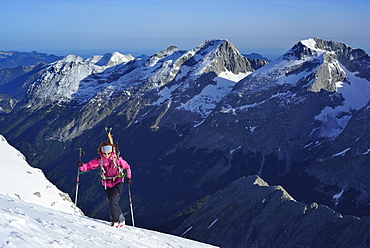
110, 139
121, 171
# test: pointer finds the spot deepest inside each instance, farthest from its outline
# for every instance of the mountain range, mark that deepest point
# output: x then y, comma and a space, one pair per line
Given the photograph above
191, 122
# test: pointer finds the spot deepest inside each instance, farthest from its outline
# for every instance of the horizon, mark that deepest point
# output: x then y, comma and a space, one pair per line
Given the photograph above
89, 53
96, 27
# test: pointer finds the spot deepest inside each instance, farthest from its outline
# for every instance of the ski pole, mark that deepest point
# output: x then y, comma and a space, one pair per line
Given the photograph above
132, 211
81, 153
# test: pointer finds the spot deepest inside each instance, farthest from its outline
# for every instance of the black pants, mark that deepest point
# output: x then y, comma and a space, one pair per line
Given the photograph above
113, 195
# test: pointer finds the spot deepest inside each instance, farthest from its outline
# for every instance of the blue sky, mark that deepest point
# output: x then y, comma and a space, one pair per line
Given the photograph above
89, 27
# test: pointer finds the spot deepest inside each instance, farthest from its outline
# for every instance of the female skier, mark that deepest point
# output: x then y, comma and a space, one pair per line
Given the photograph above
114, 169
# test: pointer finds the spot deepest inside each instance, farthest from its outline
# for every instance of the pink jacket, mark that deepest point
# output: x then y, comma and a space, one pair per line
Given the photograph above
110, 169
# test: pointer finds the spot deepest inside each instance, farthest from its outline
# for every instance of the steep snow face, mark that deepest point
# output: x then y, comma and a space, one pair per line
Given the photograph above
30, 225
29, 184
178, 66
62, 79
205, 102
310, 43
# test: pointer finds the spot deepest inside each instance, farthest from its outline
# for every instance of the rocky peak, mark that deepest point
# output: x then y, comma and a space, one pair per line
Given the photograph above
195, 81
250, 213
335, 56
223, 56
317, 62
301, 50
314, 47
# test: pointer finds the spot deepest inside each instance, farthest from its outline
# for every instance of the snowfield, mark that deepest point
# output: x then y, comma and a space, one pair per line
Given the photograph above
30, 225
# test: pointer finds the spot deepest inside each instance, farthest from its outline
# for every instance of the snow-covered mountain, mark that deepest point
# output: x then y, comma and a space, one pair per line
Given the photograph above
29, 184
73, 78
300, 119
312, 65
190, 122
169, 81
62, 79
322, 66
310, 92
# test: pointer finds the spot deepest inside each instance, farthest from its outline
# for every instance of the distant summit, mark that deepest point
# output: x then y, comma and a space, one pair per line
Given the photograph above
143, 56
13, 59
256, 56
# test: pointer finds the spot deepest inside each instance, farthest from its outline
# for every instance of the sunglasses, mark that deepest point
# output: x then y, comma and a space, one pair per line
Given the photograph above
106, 153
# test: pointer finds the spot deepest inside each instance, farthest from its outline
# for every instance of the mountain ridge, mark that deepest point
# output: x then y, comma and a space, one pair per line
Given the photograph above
267, 216
13, 59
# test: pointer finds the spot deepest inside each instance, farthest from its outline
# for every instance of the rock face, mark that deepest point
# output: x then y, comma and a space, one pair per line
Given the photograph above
6, 103
250, 213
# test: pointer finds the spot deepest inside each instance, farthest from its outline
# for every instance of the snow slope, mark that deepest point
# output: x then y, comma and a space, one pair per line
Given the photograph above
29, 184
35, 213
30, 225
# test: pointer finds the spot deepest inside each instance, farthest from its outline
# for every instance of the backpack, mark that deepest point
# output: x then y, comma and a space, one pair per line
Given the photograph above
121, 172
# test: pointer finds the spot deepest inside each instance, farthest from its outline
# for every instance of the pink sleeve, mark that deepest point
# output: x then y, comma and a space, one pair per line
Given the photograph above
125, 166
91, 165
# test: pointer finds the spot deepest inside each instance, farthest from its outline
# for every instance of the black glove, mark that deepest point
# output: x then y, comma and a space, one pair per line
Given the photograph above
79, 163
128, 180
